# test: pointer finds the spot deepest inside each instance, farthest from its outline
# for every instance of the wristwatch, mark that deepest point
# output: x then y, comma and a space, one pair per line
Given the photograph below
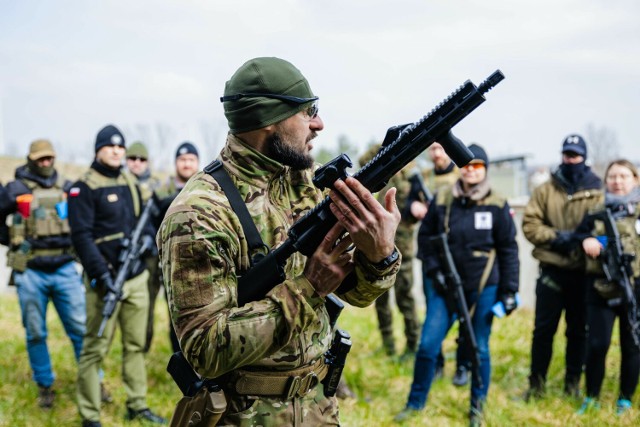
388, 261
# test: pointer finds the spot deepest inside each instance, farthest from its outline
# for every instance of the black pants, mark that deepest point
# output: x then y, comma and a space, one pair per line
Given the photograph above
600, 319
559, 290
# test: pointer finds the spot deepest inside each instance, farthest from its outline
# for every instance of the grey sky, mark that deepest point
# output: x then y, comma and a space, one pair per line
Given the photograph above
68, 67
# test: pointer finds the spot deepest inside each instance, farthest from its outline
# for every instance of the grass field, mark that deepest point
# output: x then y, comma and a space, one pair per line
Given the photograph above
381, 382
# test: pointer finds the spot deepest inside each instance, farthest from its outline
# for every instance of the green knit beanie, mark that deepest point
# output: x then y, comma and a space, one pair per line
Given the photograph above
137, 149
246, 100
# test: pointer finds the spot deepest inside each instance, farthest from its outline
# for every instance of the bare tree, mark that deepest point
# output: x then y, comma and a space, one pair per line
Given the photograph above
603, 145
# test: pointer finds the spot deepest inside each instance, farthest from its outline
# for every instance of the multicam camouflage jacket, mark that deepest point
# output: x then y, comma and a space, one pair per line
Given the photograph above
203, 249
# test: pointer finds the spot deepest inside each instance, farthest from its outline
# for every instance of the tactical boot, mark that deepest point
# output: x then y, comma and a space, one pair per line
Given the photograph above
105, 396
475, 413
46, 397
536, 388
572, 387
406, 414
145, 415
389, 346
461, 377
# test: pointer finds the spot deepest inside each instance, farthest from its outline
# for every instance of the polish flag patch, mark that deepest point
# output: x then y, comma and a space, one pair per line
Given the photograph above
74, 192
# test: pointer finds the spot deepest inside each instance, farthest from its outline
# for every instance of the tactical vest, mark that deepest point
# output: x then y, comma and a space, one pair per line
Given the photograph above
630, 240
95, 180
445, 198
47, 218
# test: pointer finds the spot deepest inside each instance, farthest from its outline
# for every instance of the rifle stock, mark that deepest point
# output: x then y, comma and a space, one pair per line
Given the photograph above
455, 294
129, 260
401, 145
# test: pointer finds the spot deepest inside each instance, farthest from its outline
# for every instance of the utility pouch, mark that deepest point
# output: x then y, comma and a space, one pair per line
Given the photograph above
17, 231
17, 259
204, 409
606, 289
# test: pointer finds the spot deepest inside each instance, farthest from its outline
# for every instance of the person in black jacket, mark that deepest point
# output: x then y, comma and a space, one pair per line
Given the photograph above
40, 256
482, 238
103, 209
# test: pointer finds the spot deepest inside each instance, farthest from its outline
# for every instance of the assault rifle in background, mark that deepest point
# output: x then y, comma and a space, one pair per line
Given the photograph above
616, 265
418, 186
456, 300
133, 248
401, 145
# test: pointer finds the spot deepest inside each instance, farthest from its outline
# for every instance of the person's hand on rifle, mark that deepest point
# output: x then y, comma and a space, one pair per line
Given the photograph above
330, 263
439, 281
592, 247
418, 209
509, 301
372, 227
104, 283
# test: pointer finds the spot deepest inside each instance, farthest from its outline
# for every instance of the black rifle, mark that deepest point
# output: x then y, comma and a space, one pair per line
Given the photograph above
456, 300
401, 145
421, 189
616, 265
129, 260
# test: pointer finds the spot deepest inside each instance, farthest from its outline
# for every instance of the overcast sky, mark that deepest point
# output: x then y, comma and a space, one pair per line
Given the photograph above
68, 67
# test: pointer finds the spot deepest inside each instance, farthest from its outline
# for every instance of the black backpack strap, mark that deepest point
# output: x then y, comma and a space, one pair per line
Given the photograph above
257, 248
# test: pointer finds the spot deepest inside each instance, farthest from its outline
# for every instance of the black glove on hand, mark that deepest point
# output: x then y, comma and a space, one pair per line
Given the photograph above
439, 281
105, 282
509, 302
563, 243
148, 246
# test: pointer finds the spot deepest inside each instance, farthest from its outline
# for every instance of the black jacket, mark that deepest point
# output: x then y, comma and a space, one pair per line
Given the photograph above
105, 210
476, 227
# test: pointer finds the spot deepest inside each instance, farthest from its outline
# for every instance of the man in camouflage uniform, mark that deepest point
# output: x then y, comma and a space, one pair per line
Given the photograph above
554, 210
403, 286
103, 209
272, 115
40, 254
187, 163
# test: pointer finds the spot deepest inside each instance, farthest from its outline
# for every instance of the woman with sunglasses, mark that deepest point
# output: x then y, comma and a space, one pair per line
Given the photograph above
604, 299
482, 239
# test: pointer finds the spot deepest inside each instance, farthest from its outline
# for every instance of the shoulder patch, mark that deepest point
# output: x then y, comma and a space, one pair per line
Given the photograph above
74, 191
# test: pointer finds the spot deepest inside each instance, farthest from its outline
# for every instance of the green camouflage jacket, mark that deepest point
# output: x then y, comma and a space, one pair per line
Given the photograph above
202, 249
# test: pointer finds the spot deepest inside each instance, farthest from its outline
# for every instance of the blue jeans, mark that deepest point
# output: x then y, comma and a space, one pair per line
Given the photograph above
65, 289
438, 322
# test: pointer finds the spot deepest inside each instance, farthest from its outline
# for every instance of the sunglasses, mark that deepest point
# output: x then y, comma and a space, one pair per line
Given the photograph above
137, 159
473, 166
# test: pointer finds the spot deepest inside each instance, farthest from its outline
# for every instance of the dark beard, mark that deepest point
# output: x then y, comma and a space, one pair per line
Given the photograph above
282, 153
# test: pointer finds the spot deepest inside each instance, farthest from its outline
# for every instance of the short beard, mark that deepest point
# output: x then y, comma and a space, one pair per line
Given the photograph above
283, 153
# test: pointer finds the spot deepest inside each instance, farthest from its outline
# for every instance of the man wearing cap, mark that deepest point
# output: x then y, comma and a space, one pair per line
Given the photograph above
553, 212
40, 256
187, 163
138, 165
273, 118
103, 209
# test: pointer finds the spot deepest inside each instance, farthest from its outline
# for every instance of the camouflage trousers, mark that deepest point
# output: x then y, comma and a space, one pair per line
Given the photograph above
405, 300
313, 409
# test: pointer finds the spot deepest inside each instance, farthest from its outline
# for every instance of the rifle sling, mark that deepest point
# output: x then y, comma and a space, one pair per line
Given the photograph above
254, 241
